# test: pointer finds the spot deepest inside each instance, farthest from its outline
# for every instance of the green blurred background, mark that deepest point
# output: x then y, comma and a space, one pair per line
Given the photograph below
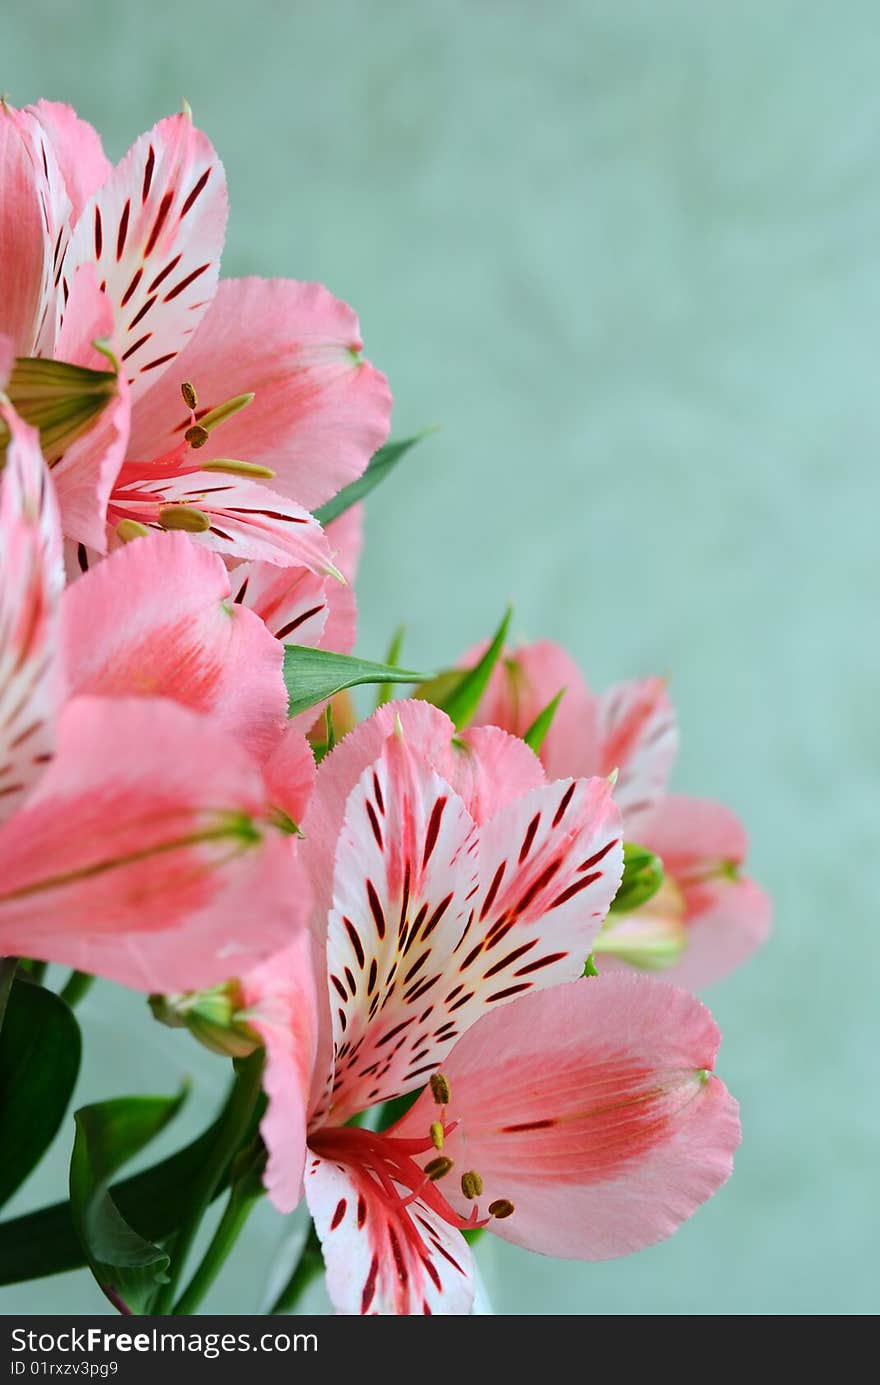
627, 256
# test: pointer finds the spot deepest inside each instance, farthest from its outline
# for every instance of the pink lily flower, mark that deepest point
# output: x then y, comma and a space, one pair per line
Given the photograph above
145, 763
707, 917
453, 886
223, 387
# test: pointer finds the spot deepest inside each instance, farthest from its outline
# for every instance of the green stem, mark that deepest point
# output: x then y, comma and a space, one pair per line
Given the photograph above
35, 970
8, 968
307, 1268
77, 985
243, 1197
231, 1133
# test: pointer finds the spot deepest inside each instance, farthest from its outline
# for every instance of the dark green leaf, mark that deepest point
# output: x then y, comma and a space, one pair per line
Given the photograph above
155, 1201
126, 1265
537, 732
642, 878
384, 462
313, 675
457, 692
39, 1062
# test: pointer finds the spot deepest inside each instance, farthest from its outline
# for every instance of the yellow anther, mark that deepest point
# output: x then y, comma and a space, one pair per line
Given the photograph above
184, 517
196, 436
471, 1184
438, 1168
223, 411
128, 529
237, 468
190, 398
436, 1134
501, 1208
440, 1089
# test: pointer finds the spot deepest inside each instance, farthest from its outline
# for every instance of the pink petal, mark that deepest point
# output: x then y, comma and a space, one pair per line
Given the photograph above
381, 1257
85, 475
319, 412
154, 619
282, 1004
523, 683
549, 866
292, 601
428, 733
78, 149
689, 833
155, 231
30, 586
33, 227
141, 855
289, 774
405, 868
345, 536
7, 358
591, 1109
247, 519
726, 921
639, 738
489, 769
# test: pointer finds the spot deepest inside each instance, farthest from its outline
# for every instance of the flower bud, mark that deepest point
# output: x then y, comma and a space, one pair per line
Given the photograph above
213, 1016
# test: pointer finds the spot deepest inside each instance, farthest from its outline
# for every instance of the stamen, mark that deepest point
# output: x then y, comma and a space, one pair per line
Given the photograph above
501, 1208
190, 398
128, 529
440, 1089
197, 435
184, 517
438, 1168
236, 468
437, 1134
472, 1184
223, 411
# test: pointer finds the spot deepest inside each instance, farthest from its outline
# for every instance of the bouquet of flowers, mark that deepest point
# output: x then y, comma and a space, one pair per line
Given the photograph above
448, 951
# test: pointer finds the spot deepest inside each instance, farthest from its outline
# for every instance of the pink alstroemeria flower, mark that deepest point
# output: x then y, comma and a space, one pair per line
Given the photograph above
131, 254
453, 885
145, 764
707, 917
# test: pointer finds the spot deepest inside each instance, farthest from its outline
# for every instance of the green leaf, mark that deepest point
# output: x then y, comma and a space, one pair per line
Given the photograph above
39, 1061
537, 732
642, 878
313, 675
386, 691
381, 465
155, 1201
127, 1266
458, 692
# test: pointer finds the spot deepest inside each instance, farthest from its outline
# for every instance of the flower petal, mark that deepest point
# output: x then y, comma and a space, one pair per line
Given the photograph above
549, 866
726, 921
142, 850
490, 769
319, 412
154, 230
591, 1109
247, 520
34, 225
282, 1006
85, 475
154, 619
405, 867
30, 585
291, 601
381, 1257
78, 149
289, 774
639, 738
523, 683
